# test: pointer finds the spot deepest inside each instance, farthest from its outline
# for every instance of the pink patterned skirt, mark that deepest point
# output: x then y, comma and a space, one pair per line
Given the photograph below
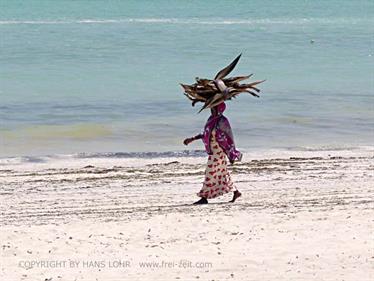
217, 178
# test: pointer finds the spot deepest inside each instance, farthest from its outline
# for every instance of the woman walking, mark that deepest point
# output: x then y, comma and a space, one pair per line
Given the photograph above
217, 135
219, 143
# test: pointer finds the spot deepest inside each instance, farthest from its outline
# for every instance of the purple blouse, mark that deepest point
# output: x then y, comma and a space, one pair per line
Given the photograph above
224, 134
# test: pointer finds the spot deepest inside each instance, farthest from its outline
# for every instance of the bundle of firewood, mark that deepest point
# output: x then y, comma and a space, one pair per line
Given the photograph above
213, 92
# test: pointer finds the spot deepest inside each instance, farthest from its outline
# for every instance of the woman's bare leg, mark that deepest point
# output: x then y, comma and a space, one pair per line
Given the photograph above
203, 200
236, 195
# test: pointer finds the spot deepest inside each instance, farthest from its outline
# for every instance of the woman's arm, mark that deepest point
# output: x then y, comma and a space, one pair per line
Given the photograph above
189, 140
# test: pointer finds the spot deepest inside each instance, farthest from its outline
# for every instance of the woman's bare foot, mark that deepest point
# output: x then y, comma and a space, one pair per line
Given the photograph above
201, 201
237, 194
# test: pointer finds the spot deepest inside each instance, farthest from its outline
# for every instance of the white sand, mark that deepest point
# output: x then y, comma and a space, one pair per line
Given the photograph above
308, 218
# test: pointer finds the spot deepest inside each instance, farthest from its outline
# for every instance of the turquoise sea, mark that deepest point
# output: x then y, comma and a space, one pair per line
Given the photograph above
103, 76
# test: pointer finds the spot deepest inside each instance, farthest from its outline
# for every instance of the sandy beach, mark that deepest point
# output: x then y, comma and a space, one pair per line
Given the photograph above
99, 100
302, 216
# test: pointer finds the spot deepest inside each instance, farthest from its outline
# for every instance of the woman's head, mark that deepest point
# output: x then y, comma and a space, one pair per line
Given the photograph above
218, 109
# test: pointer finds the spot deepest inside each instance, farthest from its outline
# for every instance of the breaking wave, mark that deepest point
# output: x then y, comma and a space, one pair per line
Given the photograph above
109, 155
198, 21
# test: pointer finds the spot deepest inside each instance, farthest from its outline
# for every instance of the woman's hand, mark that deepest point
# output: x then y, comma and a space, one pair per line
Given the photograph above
232, 161
188, 140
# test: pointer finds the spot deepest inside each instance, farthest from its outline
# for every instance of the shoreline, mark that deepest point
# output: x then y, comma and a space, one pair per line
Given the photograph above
145, 156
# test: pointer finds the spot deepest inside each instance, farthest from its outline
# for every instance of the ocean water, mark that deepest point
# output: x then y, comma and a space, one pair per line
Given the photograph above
103, 76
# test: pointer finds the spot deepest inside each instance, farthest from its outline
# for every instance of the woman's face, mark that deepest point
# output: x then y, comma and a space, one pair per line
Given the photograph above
213, 110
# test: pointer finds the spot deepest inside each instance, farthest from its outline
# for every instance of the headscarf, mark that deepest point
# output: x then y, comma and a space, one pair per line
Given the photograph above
224, 134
